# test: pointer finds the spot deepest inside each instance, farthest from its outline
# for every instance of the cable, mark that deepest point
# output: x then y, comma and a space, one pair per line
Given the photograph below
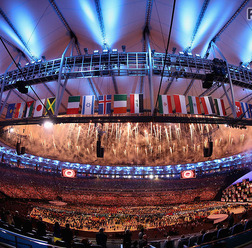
166, 52
49, 112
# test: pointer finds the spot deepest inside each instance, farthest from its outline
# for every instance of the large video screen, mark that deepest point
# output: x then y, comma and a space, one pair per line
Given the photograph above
187, 174
69, 173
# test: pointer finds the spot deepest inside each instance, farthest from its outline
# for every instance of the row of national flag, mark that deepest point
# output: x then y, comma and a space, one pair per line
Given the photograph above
210, 106
166, 103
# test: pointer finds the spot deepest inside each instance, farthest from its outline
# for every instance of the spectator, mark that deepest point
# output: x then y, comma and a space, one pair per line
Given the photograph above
168, 243
17, 220
127, 239
101, 238
141, 233
41, 228
9, 218
231, 220
56, 232
143, 242
67, 235
27, 225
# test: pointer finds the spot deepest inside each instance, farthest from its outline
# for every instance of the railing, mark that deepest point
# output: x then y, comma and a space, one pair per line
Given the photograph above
21, 241
124, 64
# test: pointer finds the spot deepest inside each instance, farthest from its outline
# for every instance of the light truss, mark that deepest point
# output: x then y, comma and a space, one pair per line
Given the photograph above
123, 64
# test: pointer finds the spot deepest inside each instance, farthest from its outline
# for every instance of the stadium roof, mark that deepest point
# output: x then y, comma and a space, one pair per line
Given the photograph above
44, 29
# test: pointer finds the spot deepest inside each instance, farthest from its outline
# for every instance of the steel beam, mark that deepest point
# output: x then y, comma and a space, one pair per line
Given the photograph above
125, 119
199, 20
232, 104
169, 85
224, 27
66, 25
58, 94
150, 73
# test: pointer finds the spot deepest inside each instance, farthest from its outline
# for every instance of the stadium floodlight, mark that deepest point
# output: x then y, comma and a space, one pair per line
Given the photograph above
48, 124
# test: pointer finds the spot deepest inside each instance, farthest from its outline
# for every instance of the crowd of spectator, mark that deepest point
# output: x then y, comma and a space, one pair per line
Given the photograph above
27, 184
239, 192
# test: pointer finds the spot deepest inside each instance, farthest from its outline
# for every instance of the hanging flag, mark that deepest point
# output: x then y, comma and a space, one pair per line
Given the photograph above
104, 106
208, 105
180, 104
238, 109
220, 107
250, 109
29, 108
136, 103
50, 105
120, 104
194, 103
165, 104
88, 105
245, 110
73, 105
10, 110
19, 110
39, 107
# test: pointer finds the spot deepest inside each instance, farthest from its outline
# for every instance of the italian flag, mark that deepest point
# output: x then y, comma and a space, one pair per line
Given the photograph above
194, 103
73, 105
180, 104
220, 107
120, 104
136, 103
165, 104
29, 108
208, 105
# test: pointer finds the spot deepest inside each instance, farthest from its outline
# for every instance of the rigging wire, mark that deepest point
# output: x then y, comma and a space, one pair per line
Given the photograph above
49, 112
166, 53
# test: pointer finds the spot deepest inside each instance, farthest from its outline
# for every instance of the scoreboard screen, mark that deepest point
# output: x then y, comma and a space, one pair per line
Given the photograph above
68, 173
188, 174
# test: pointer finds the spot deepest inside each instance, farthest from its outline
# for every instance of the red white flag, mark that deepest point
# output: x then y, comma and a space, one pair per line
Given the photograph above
238, 109
180, 104
39, 107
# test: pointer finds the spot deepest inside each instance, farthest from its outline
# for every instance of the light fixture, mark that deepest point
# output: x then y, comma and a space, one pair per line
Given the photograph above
11, 130
105, 51
197, 55
189, 54
48, 124
174, 50
123, 48
181, 53
114, 50
96, 51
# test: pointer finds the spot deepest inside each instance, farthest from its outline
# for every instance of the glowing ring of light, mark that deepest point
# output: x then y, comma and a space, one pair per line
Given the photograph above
188, 174
69, 173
